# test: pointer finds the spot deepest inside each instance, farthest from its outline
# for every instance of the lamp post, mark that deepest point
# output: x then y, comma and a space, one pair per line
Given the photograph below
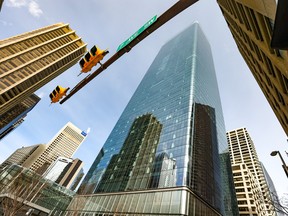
274, 153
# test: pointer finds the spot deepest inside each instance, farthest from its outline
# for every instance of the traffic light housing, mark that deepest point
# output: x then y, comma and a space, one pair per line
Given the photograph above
58, 93
92, 58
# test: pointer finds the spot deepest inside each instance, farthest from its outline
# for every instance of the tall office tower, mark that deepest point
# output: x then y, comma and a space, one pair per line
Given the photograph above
251, 186
77, 180
163, 155
56, 168
30, 60
64, 171
15, 116
24, 156
65, 143
274, 199
251, 24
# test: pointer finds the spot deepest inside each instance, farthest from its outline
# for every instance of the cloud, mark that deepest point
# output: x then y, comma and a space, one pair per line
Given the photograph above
33, 7
16, 3
5, 23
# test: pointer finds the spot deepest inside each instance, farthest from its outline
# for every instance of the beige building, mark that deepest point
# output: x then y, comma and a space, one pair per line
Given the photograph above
251, 24
249, 196
39, 157
252, 190
24, 156
65, 143
30, 60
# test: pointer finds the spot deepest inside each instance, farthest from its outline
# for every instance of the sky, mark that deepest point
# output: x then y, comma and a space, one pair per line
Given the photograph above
99, 104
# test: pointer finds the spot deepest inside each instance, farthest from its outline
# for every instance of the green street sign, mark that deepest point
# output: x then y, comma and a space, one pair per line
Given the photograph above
143, 28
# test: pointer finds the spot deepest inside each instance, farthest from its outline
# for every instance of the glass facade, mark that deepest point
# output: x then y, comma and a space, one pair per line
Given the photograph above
33, 192
170, 135
15, 116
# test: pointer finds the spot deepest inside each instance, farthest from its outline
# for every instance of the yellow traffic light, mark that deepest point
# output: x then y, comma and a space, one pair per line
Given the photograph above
92, 58
58, 93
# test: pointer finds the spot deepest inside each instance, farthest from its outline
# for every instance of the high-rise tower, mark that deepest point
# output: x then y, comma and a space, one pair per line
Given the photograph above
64, 143
30, 60
251, 24
15, 116
24, 156
64, 171
163, 155
39, 157
252, 190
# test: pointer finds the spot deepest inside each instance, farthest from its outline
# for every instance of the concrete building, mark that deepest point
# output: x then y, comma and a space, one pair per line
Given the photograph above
39, 157
251, 24
30, 60
65, 143
251, 187
163, 155
15, 116
64, 171
24, 156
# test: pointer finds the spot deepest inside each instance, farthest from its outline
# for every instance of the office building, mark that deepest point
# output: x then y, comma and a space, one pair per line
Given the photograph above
65, 143
15, 116
77, 180
251, 187
251, 24
30, 60
24, 156
274, 199
64, 171
39, 157
163, 155
56, 168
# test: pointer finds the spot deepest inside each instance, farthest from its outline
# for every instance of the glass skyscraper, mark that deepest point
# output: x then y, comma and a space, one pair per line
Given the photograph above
164, 154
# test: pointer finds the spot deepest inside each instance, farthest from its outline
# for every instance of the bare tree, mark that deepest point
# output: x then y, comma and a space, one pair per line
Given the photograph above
17, 193
280, 205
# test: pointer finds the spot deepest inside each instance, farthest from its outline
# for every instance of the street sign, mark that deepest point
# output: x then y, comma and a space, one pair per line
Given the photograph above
143, 28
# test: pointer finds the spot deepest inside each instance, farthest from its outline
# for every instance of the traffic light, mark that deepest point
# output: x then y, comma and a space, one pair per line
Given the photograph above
58, 93
92, 58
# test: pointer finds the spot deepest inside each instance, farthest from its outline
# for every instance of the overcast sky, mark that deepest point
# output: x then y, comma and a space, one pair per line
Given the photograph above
99, 105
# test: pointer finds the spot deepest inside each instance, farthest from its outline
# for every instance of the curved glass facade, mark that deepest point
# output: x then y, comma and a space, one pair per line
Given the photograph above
172, 132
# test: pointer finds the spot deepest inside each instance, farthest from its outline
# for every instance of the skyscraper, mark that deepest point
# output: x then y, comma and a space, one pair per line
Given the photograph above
273, 198
30, 60
24, 156
163, 155
64, 171
252, 190
251, 24
15, 116
64, 143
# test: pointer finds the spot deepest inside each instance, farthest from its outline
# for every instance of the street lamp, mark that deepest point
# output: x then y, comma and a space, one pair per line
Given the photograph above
274, 153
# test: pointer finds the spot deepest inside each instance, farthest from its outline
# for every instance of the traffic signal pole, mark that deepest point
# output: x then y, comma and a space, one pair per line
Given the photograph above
177, 8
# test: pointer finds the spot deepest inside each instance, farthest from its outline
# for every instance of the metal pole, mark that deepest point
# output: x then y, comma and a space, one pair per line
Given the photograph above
284, 164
